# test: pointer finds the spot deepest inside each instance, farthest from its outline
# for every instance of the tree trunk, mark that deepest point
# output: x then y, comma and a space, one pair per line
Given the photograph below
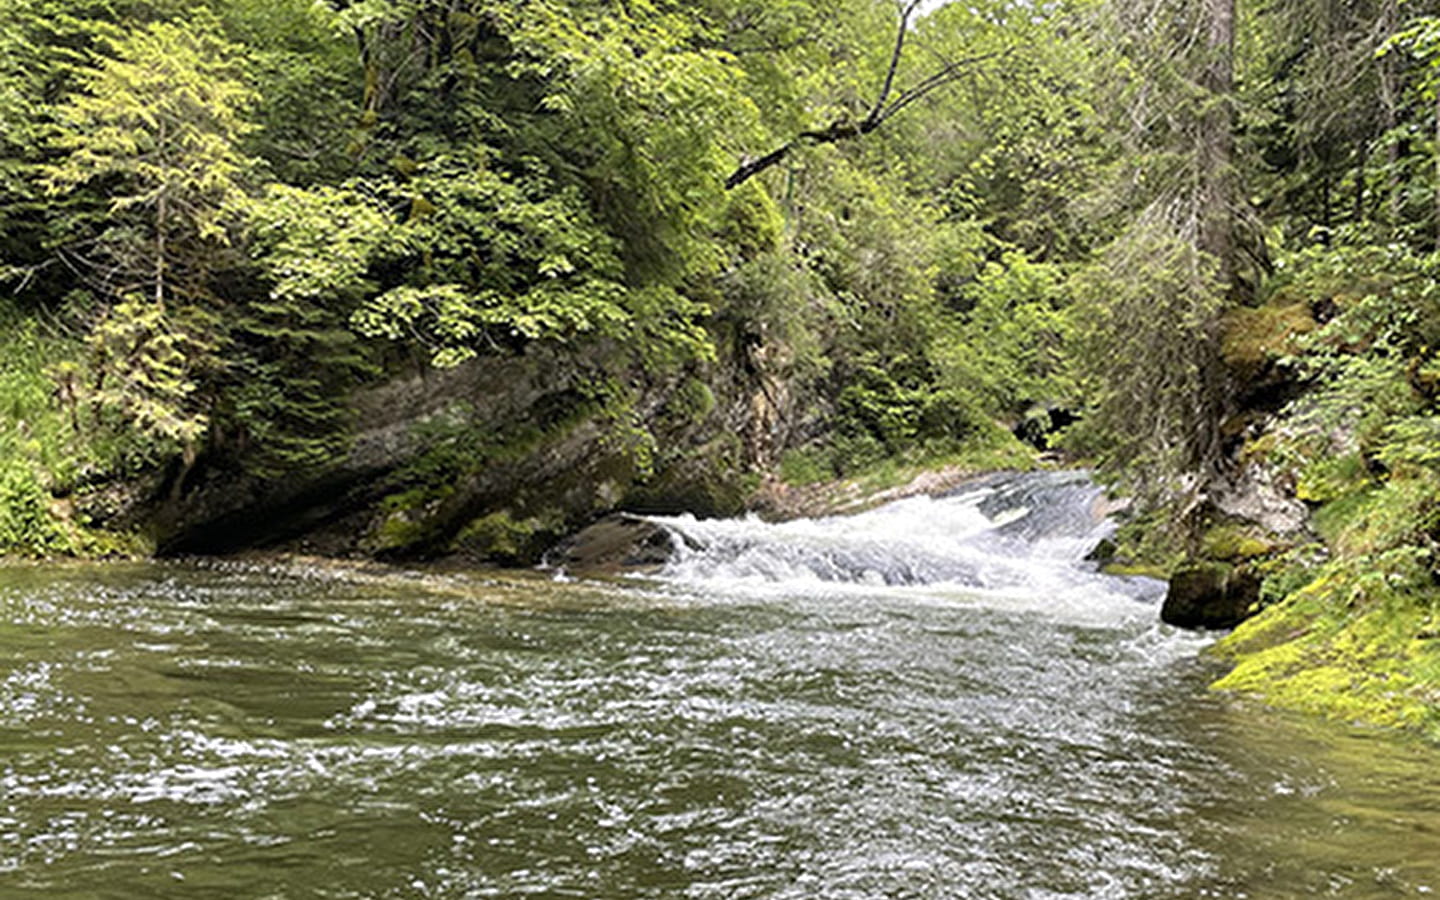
162, 221
1217, 209
1216, 143
1389, 104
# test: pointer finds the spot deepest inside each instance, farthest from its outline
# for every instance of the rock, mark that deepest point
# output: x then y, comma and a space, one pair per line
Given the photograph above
1252, 495
1210, 595
613, 545
489, 462
1104, 551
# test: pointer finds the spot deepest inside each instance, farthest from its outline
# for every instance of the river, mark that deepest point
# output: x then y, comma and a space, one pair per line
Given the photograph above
937, 699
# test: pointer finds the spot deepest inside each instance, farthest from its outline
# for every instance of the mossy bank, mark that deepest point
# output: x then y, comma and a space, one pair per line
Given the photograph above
1338, 381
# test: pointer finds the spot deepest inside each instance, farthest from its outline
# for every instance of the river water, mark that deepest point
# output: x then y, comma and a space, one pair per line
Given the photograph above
936, 699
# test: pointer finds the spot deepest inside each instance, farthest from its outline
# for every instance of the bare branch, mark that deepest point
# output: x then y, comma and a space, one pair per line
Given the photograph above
945, 76
843, 129
752, 167
905, 13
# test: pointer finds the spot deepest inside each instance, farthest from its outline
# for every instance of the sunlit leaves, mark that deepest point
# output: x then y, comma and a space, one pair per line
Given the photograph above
320, 243
158, 121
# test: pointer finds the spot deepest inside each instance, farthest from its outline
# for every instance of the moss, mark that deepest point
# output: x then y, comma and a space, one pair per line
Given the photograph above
1252, 337
709, 480
1347, 646
1382, 517
501, 537
1144, 570
1235, 542
692, 402
802, 467
1333, 477
1362, 671
1149, 541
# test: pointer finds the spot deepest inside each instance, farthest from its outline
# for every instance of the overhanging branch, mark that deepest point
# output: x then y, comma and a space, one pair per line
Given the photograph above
883, 109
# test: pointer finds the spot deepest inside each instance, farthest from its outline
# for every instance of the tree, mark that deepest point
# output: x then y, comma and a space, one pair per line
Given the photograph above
161, 119
156, 128
1422, 39
1148, 306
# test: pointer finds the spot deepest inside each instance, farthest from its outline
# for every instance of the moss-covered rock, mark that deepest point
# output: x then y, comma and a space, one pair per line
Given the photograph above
1231, 542
1377, 667
500, 537
1253, 337
1211, 595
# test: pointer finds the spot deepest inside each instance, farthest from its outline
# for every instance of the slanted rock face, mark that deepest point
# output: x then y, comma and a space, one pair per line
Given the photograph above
1252, 494
1210, 595
489, 462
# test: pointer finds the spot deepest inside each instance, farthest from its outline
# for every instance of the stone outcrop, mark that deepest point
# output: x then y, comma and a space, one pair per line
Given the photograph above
494, 461
1210, 595
614, 545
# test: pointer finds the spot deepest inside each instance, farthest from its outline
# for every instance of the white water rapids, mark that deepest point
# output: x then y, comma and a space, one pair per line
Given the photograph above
1017, 541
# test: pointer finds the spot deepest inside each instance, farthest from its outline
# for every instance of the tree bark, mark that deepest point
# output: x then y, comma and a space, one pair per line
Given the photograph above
1389, 101
1217, 145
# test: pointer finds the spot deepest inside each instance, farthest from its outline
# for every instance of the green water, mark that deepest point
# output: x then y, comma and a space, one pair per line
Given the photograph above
232, 732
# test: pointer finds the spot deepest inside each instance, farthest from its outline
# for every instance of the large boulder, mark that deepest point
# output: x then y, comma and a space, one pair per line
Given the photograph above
1211, 595
614, 545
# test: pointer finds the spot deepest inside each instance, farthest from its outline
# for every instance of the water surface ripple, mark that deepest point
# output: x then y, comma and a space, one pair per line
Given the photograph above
239, 731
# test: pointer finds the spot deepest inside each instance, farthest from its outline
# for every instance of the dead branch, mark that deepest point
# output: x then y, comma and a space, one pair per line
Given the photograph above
880, 111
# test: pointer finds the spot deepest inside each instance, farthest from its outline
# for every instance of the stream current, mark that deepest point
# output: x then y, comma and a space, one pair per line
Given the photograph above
935, 699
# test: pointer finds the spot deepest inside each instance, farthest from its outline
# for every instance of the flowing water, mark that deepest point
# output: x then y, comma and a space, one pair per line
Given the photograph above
935, 699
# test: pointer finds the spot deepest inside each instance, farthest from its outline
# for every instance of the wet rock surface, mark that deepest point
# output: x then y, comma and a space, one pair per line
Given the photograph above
1210, 595
614, 545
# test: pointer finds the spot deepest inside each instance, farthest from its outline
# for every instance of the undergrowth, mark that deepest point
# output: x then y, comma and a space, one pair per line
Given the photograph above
1351, 624
50, 451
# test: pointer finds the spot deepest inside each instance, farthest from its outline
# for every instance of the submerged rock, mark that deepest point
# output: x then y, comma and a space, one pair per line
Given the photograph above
1210, 595
613, 545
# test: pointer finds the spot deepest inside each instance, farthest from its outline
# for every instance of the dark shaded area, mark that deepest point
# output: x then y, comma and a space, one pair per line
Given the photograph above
1211, 595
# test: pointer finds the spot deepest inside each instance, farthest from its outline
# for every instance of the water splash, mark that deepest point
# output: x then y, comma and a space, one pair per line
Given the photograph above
1024, 534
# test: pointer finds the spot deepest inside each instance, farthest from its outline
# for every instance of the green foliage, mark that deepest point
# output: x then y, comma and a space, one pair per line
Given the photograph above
163, 114
269, 204
158, 122
303, 68
26, 523
895, 405
1147, 329
294, 357
51, 447
1011, 344
1366, 413
1346, 632
496, 261
146, 363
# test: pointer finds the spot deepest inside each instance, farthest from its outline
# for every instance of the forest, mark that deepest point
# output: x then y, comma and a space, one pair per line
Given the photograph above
404, 279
